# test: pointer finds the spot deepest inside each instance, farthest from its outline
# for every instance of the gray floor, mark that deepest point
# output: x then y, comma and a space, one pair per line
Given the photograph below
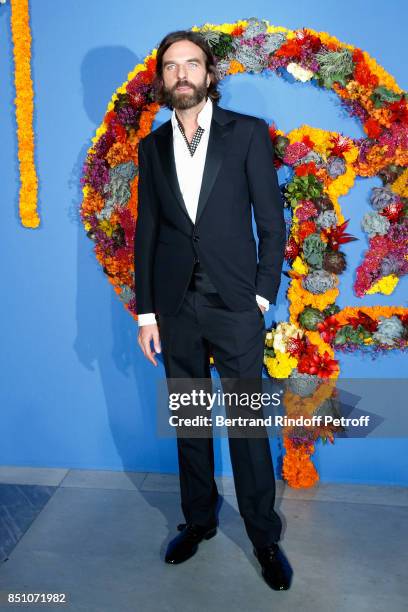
101, 538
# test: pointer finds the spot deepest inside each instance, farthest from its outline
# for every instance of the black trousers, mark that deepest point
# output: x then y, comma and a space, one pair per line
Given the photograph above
236, 341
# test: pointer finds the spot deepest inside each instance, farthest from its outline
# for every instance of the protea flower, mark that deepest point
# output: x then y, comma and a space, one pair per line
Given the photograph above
296, 346
337, 235
393, 211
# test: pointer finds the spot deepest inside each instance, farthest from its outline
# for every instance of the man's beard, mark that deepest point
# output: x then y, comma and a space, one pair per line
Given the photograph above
184, 99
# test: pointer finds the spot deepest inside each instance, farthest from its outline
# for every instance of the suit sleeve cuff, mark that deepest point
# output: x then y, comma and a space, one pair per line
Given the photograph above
263, 302
149, 318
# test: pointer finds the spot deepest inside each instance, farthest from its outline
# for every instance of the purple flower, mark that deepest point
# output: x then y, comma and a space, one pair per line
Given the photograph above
356, 110
104, 143
364, 149
97, 173
398, 232
127, 116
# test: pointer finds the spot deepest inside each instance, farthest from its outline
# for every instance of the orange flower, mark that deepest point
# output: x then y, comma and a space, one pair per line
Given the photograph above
292, 48
305, 229
237, 31
372, 128
298, 469
372, 311
235, 67
24, 101
119, 153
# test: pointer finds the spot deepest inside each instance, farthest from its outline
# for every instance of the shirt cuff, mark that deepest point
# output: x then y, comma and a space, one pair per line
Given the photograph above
262, 302
149, 318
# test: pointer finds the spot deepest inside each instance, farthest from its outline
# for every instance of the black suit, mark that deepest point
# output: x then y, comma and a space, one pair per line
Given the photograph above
238, 169
213, 310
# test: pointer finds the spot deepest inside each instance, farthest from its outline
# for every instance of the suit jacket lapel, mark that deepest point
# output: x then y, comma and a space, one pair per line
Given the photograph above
221, 127
166, 153
217, 146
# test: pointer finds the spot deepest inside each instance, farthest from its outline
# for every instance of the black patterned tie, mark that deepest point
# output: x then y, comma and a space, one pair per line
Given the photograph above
196, 138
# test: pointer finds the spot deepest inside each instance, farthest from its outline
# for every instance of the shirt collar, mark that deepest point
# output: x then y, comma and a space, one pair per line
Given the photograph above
203, 118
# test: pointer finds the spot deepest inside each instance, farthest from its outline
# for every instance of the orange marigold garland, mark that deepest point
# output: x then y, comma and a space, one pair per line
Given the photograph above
24, 102
298, 469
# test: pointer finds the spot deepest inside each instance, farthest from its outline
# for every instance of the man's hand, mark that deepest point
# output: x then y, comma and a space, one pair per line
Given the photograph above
147, 333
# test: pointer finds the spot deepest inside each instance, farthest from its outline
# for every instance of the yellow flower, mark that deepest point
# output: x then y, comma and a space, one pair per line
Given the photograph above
101, 130
272, 29
226, 28
400, 186
385, 285
300, 266
281, 365
106, 227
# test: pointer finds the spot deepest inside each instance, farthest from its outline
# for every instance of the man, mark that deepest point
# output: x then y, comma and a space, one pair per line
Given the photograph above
199, 287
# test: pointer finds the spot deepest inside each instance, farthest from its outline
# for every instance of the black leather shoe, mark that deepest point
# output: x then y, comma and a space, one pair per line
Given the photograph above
185, 545
275, 567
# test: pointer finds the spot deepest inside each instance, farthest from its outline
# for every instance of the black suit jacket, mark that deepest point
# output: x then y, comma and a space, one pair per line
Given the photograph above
238, 170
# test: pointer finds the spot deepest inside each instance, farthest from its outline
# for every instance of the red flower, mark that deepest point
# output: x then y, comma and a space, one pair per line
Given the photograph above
272, 132
362, 73
328, 328
322, 365
237, 31
393, 211
116, 128
364, 320
399, 111
310, 40
292, 48
294, 152
372, 128
404, 318
306, 228
305, 169
296, 346
306, 210
340, 144
308, 141
109, 117
337, 235
291, 249
151, 66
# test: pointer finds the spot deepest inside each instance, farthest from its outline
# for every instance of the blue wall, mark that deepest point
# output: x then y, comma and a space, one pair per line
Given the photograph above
76, 390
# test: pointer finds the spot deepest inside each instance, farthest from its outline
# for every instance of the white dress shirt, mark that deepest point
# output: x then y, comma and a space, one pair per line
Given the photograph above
190, 170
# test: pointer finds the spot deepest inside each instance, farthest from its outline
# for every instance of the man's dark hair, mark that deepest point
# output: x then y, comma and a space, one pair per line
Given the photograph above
210, 63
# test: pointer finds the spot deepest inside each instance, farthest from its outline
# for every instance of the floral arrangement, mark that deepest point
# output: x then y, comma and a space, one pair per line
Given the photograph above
24, 101
324, 165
